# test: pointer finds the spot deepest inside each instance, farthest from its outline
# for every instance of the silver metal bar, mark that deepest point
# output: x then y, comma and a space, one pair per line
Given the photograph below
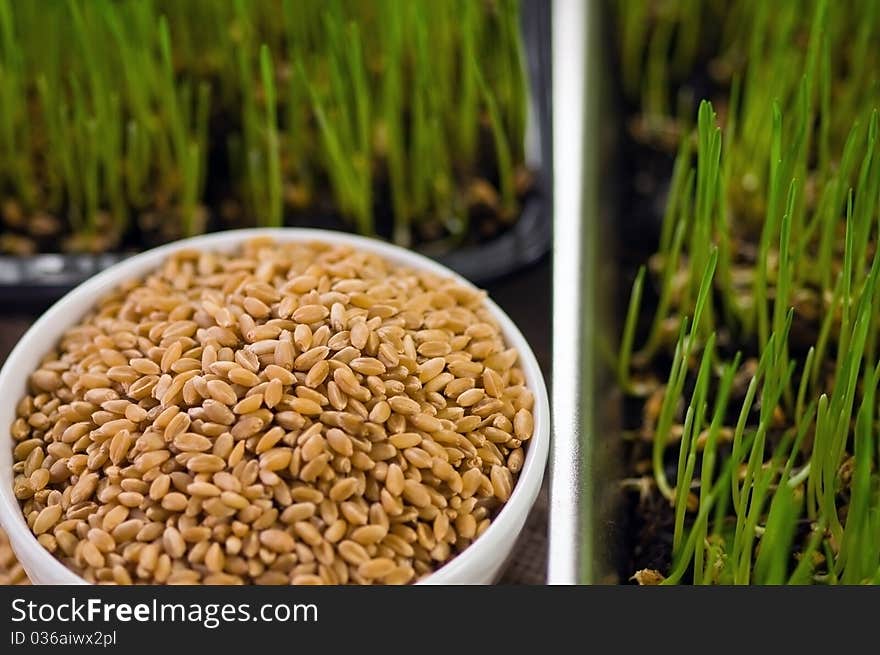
581, 471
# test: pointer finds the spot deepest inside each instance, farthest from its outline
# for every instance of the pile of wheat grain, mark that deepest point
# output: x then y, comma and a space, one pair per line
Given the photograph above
290, 413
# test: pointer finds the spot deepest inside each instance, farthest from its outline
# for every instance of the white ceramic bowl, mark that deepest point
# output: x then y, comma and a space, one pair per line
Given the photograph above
480, 563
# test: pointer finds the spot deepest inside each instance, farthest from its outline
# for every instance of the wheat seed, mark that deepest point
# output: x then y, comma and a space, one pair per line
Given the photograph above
289, 413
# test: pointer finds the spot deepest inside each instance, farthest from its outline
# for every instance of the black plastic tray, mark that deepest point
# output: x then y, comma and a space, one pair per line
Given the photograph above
31, 282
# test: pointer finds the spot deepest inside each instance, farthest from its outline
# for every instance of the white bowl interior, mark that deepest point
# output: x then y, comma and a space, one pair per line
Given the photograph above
478, 564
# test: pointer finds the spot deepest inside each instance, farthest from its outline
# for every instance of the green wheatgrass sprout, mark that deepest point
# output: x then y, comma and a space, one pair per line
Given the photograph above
342, 111
658, 44
794, 52
786, 487
396, 107
272, 146
369, 92
188, 132
796, 497
15, 137
99, 137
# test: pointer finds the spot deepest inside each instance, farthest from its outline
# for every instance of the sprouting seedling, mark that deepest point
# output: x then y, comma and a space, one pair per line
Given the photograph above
684, 556
272, 144
858, 559
512, 104
841, 405
629, 330
750, 496
392, 109
781, 312
692, 426
634, 27
806, 376
469, 70
346, 137
148, 99
809, 456
760, 290
710, 453
837, 189
676, 222
678, 194
656, 82
707, 194
15, 141
865, 202
675, 383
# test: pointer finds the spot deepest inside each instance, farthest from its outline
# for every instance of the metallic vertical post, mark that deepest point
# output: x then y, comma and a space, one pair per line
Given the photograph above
581, 470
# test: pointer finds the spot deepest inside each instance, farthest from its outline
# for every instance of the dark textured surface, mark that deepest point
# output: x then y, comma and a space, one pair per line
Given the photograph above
526, 297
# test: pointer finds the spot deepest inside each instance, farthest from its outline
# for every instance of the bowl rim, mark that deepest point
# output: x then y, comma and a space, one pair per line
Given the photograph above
41, 336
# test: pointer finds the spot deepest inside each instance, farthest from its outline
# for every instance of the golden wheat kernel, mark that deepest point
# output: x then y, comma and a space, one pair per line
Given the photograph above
47, 517
160, 486
145, 366
501, 482
174, 501
202, 489
308, 533
515, 460
273, 393
214, 558
114, 517
343, 489
39, 478
346, 380
309, 358
127, 530
192, 442
340, 442
426, 422
248, 404
380, 412
130, 499
405, 440
354, 513
177, 425
244, 377
418, 457
247, 426
416, 493
487, 407
255, 307
298, 512
221, 392
376, 568
496, 436
313, 447
367, 535
89, 553
278, 541
470, 397
306, 406
404, 405
309, 314
523, 424
276, 459
222, 367
217, 412
205, 463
